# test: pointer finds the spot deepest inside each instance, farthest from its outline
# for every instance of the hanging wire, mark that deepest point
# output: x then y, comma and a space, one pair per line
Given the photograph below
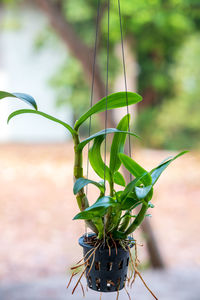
106, 112
107, 82
125, 78
92, 90
125, 82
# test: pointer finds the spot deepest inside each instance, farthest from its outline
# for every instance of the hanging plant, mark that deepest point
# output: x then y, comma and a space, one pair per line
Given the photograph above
112, 218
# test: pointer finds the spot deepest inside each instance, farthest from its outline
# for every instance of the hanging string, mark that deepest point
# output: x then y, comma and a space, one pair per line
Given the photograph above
107, 81
125, 79
106, 111
92, 89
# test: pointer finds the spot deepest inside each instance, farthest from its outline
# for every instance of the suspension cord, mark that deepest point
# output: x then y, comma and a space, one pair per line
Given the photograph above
92, 90
125, 79
106, 112
93, 79
107, 82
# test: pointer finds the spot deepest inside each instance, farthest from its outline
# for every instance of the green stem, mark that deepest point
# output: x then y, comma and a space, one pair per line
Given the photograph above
138, 220
125, 222
78, 173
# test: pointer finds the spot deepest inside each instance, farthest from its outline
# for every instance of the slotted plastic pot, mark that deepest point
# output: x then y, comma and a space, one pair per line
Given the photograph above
108, 272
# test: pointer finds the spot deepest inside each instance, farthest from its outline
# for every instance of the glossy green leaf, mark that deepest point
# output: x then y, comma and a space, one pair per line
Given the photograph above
102, 133
155, 173
24, 97
92, 214
98, 209
129, 188
96, 160
142, 192
135, 169
112, 101
82, 182
118, 143
119, 179
130, 203
36, 112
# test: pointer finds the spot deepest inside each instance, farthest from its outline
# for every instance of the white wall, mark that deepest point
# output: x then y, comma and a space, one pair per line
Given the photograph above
22, 69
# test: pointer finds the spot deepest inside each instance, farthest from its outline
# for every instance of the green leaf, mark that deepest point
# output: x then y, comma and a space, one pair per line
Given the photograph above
92, 214
30, 111
102, 133
119, 179
155, 173
135, 169
130, 203
112, 101
24, 97
129, 188
118, 143
142, 192
82, 182
96, 159
98, 209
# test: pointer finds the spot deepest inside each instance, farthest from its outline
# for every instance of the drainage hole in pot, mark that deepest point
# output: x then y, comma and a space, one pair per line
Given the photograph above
97, 265
127, 261
97, 281
120, 266
109, 266
109, 284
90, 281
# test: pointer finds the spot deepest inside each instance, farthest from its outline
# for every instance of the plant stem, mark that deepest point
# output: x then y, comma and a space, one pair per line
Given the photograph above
78, 173
125, 222
138, 220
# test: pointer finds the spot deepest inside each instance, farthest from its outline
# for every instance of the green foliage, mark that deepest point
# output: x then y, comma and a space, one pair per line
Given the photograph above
112, 101
177, 116
116, 207
24, 97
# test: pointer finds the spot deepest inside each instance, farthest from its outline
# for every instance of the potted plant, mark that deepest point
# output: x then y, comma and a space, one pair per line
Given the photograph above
112, 217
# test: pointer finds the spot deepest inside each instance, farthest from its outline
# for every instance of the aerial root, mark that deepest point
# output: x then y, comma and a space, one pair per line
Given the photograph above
114, 244
82, 289
86, 263
117, 295
138, 273
109, 248
132, 272
93, 253
127, 293
79, 280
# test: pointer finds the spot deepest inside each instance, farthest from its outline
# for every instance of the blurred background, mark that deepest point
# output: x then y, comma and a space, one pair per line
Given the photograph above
46, 50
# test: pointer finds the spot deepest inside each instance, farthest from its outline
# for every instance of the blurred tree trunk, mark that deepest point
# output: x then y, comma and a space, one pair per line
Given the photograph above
84, 54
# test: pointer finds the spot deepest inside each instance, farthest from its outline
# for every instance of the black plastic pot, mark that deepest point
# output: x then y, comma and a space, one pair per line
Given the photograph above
108, 273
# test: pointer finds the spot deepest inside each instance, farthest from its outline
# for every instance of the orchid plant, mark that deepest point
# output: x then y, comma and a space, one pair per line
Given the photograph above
113, 213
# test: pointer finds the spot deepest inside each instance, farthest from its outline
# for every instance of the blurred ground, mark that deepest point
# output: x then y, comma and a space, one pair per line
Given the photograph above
38, 237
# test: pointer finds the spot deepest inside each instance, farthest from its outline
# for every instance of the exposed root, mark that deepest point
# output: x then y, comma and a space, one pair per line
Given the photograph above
117, 294
73, 274
90, 256
109, 248
114, 244
138, 273
111, 282
80, 265
92, 260
127, 293
79, 280
82, 289
85, 256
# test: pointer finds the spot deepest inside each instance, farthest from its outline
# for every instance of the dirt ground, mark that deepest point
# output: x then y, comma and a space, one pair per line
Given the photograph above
38, 237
